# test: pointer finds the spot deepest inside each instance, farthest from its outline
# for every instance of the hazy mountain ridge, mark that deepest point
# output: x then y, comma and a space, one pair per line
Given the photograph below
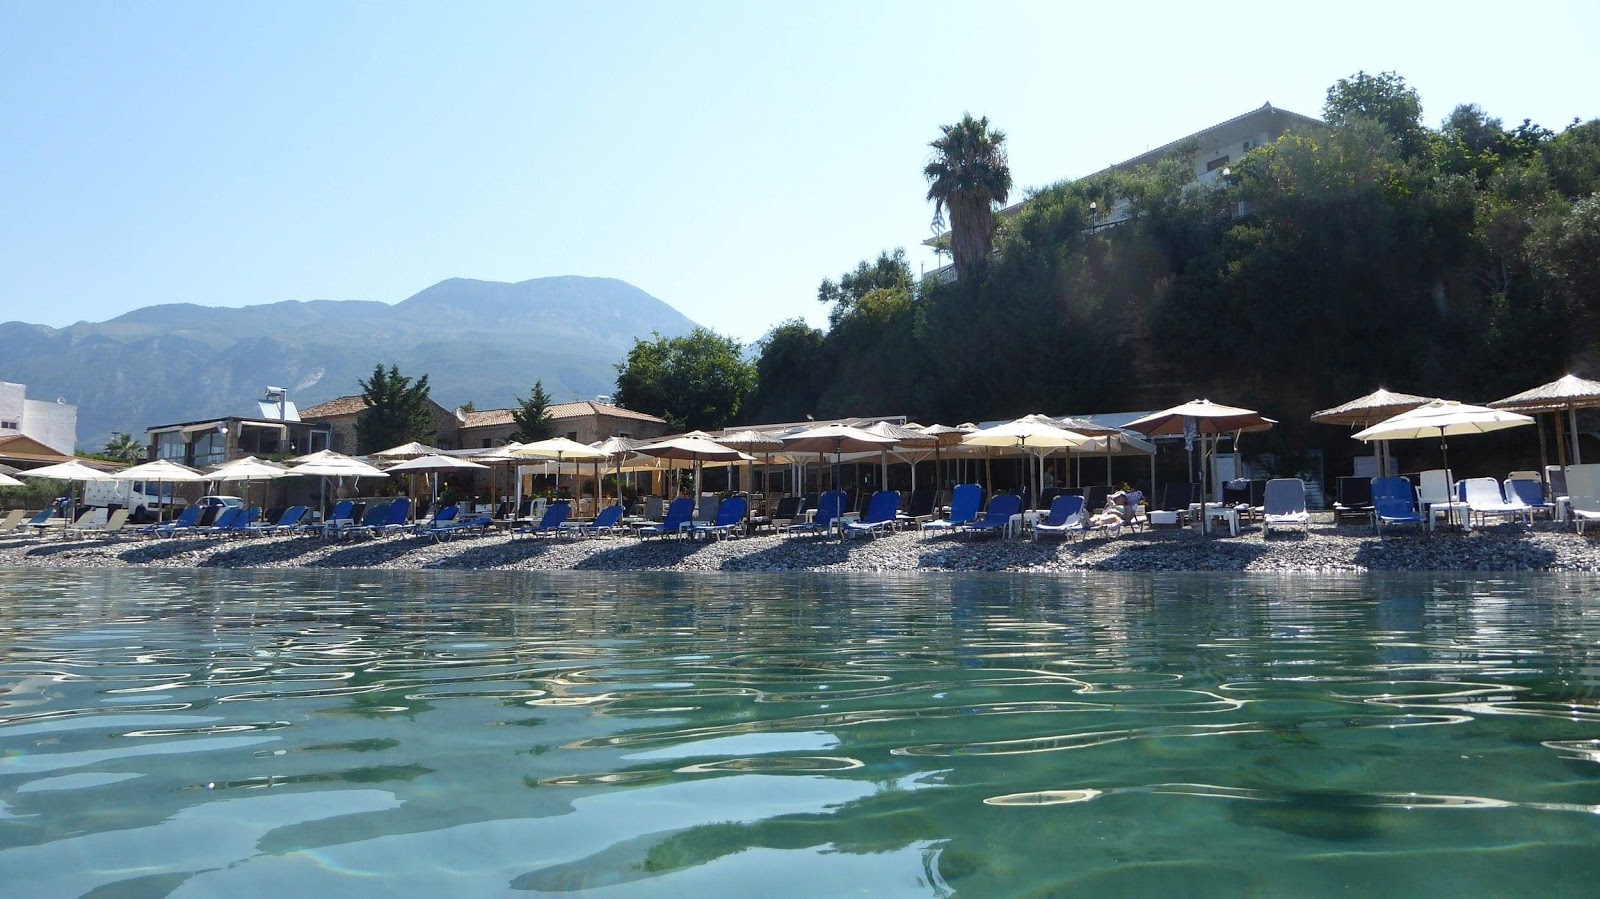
479, 341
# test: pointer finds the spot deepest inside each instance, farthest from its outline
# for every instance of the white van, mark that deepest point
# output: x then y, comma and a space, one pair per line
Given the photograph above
130, 495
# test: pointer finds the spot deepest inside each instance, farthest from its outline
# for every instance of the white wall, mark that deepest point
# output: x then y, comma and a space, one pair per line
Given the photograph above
11, 398
53, 424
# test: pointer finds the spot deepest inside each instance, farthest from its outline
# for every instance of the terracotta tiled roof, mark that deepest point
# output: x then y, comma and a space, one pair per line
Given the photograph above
344, 405
492, 417
487, 418
576, 410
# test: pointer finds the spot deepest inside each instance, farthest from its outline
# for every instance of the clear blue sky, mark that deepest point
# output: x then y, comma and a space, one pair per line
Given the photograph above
724, 157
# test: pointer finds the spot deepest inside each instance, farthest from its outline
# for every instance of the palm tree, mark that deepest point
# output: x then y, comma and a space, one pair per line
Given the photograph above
969, 175
123, 448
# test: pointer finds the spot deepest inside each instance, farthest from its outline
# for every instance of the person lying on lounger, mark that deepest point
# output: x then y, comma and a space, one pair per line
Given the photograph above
1119, 511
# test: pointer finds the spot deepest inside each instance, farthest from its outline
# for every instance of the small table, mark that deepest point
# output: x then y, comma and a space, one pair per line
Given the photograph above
1227, 513
1447, 510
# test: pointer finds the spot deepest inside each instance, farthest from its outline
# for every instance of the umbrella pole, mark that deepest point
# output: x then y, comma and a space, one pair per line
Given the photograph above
1544, 454
1577, 453
1561, 443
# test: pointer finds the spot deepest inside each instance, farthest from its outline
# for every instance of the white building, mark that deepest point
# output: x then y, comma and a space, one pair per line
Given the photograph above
54, 424
1208, 153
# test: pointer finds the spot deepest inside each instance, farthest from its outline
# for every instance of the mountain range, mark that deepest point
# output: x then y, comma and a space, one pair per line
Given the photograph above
479, 341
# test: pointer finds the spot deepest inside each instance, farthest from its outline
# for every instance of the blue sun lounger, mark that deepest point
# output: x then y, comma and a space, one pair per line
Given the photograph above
1394, 502
609, 521
829, 507
185, 520
965, 503
730, 517
555, 515
679, 514
882, 511
442, 517
1066, 517
998, 516
453, 527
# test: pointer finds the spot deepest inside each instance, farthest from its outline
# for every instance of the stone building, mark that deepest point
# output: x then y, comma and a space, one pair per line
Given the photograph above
339, 417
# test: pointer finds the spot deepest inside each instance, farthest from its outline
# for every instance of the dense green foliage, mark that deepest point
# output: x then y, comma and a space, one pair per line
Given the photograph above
968, 176
1462, 261
532, 416
698, 381
397, 411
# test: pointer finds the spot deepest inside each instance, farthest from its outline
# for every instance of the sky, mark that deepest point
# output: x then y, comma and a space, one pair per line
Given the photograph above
724, 157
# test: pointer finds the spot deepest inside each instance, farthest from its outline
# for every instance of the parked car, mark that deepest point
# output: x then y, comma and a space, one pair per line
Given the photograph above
206, 502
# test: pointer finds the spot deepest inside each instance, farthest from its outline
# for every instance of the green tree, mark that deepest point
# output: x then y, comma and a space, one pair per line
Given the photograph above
699, 380
889, 272
1385, 99
397, 410
123, 447
968, 176
789, 373
532, 416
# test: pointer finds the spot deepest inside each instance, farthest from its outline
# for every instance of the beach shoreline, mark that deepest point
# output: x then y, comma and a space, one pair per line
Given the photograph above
1543, 547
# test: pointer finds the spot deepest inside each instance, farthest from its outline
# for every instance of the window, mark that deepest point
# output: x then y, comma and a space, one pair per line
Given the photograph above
11, 425
572, 435
1217, 163
486, 443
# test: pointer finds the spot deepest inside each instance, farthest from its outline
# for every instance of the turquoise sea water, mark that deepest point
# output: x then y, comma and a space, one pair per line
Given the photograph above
391, 734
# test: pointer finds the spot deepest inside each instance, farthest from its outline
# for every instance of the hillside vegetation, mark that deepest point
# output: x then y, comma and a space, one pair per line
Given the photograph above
1459, 261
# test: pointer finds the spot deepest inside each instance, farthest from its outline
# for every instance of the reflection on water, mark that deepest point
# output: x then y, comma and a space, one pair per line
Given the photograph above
408, 734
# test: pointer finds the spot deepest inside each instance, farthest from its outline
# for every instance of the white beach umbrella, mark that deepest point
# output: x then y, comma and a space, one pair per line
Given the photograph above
559, 449
433, 464
9, 481
162, 471
406, 451
1442, 419
1034, 435
329, 464
67, 471
248, 469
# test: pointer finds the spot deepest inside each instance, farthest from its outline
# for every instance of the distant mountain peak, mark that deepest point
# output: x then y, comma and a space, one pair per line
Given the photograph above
483, 341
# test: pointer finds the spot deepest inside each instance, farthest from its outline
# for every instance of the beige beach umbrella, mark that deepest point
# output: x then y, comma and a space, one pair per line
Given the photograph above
162, 471
1443, 419
947, 435
1208, 421
1365, 411
837, 439
616, 449
911, 445
753, 442
1568, 393
695, 448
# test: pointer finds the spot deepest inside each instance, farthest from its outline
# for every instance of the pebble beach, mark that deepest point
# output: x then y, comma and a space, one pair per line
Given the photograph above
1512, 547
